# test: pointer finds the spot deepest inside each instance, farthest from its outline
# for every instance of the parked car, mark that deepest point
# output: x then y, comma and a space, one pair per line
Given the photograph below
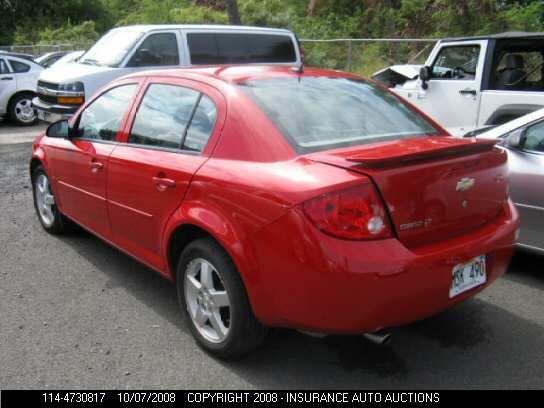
18, 79
471, 82
72, 56
62, 89
312, 200
28, 57
523, 139
48, 59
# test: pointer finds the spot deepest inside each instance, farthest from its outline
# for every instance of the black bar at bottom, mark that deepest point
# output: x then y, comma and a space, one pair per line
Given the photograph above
95, 398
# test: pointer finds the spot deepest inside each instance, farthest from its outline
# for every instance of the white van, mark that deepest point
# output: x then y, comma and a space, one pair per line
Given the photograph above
62, 89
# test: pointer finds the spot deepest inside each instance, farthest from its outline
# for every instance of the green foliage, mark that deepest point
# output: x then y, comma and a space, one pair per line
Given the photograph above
50, 21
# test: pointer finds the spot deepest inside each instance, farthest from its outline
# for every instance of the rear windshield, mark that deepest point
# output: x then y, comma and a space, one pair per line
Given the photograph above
237, 48
319, 113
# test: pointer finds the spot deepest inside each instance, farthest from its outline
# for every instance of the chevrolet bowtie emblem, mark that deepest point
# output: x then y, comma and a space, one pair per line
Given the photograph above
464, 184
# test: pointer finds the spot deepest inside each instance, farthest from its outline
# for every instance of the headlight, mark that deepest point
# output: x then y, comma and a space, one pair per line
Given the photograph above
72, 87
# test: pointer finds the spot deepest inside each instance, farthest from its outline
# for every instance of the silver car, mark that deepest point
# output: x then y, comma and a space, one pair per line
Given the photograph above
523, 139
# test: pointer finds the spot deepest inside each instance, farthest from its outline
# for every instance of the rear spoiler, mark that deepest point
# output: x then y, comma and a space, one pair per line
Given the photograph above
410, 150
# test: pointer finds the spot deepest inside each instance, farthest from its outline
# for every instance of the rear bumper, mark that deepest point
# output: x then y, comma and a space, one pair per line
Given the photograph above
324, 284
53, 112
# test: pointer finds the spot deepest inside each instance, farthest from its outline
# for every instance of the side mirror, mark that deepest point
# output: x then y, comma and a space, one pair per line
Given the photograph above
516, 138
424, 75
59, 129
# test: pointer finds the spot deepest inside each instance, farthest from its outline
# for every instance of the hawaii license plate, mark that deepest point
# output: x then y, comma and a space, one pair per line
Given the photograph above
467, 276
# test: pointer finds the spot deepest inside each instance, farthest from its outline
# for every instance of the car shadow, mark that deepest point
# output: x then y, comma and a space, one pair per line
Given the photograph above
475, 344
527, 268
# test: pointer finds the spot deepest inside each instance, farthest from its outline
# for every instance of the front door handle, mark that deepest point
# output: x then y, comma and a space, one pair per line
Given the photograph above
468, 92
163, 183
7, 78
95, 166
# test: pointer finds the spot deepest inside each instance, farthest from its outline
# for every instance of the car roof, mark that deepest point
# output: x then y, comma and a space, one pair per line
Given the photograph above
23, 60
212, 27
499, 36
239, 73
501, 130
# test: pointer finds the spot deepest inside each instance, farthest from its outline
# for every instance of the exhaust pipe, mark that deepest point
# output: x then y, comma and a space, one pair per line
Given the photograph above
378, 337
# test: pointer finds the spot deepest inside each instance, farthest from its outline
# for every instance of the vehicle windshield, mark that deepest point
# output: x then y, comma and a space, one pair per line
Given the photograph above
319, 113
111, 48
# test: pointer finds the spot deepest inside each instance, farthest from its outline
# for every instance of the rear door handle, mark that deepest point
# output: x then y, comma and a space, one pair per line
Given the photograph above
95, 166
468, 92
162, 183
7, 78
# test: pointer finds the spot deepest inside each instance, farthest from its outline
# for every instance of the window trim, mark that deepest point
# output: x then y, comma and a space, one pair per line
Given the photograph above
75, 123
475, 79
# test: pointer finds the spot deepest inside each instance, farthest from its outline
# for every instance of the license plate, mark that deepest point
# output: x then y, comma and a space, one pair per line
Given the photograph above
467, 276
42, 115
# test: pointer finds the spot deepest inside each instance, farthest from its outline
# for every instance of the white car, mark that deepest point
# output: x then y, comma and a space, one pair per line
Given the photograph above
471, 82
69, 57
18, 81
123, 50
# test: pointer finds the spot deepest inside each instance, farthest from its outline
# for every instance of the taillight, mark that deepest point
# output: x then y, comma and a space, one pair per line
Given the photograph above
354, 213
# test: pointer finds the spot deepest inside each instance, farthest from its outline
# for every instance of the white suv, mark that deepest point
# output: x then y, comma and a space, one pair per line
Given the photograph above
62, 89
18, 79
472, 82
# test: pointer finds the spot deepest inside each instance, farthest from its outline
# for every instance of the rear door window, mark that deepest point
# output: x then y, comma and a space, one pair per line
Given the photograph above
156, 50
3, 67
234, 48
19, 66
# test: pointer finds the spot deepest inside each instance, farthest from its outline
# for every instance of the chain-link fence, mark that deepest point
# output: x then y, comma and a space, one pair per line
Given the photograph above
40, 49
365, 55
361, 55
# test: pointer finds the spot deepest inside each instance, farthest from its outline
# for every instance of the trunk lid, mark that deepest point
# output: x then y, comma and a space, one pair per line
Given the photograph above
434, 187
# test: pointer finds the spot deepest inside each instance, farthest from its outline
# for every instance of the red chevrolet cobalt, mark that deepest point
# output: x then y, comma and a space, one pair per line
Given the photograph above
273, 197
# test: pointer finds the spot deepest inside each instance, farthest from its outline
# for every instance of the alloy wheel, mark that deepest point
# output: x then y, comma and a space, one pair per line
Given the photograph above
207, 300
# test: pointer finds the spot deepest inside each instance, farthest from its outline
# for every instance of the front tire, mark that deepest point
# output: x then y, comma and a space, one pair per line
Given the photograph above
44, 202
214, 301
20, 110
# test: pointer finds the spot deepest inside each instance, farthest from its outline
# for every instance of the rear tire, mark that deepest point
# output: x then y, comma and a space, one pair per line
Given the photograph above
20, 110
214, 301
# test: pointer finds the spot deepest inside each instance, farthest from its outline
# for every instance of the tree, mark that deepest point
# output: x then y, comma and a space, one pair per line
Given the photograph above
232, 11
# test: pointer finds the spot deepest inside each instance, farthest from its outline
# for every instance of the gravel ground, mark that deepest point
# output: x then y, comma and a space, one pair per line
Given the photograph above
76, 313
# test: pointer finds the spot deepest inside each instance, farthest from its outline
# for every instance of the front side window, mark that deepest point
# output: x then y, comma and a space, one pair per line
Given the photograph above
240, 48
156, 50
319, 113
112, 48
102, 119
458, 62
534, 138
19, 66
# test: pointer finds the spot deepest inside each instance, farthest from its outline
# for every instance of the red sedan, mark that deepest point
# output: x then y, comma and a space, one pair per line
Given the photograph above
313, 200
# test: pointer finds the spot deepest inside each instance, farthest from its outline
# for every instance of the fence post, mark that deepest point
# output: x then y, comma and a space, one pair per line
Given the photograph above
349, 55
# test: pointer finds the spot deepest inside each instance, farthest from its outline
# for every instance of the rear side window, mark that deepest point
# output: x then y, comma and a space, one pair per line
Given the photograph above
319, 113
3, 67
156, 50
174, 117
234, 48
19, 66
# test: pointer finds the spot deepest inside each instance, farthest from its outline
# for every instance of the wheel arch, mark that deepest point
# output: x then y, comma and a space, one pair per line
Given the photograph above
20, 92
505, 113
194, 222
